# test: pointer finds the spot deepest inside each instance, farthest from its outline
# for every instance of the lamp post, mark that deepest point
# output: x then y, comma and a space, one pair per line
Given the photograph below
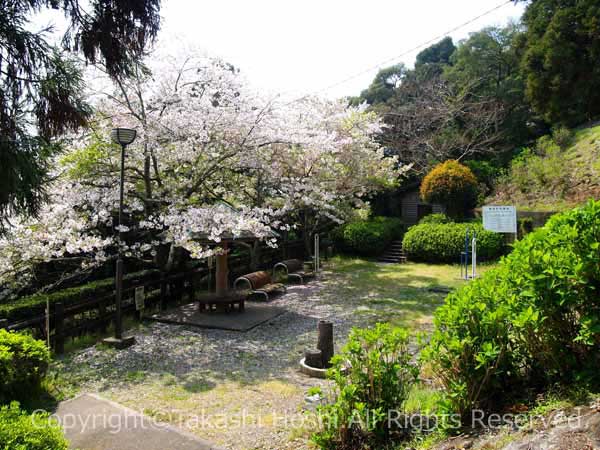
123, 137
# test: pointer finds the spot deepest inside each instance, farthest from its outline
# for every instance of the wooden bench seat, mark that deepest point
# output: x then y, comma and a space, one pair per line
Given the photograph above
294, 270
222, 304
259, 283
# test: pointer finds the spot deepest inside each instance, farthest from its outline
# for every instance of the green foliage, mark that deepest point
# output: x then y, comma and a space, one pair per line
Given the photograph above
487, 64
23, 365
372, 375
88, 160
451, 184
438, 53
560, 62
540, 169
42, 86
444, 242
21, 431
525, 225
437, 218
486, 173
563, 137
382, 87
368, 237
31, 305
530, 323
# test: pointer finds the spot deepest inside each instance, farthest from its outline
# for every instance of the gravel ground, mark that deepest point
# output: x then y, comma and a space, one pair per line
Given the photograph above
238, 390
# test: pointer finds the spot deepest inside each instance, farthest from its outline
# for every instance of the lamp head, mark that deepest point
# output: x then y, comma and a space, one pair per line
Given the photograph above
123, 136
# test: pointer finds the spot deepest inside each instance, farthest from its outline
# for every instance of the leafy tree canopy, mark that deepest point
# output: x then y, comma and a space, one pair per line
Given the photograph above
382, 87
41, 86
439, 53
560, 63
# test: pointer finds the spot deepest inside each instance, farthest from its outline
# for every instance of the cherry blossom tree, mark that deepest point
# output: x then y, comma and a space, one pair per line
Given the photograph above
213, 158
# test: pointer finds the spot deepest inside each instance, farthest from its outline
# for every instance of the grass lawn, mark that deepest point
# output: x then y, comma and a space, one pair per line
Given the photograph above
175, 373
403, 294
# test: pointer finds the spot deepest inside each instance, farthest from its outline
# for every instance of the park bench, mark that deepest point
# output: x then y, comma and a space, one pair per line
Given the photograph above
259, 283
222, 304
294, 269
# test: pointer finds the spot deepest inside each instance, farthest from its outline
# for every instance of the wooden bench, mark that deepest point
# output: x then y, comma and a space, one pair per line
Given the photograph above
259, 283
222, 304
294, 269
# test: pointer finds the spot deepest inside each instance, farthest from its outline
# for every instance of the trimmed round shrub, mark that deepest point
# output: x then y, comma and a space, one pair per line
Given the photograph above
451, 184
368, 237
432, 242
23, 364
529, 324
21, 431
436, 218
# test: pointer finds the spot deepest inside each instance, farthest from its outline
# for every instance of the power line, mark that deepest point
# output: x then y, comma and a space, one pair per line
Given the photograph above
407, 52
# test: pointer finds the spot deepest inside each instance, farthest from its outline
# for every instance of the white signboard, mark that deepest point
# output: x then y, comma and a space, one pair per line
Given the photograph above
501, 219
140, 298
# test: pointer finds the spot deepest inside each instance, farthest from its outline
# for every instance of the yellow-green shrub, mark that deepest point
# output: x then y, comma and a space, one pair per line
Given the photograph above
451, 184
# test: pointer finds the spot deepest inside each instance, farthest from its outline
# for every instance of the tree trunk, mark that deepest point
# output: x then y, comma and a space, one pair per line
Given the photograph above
255, 254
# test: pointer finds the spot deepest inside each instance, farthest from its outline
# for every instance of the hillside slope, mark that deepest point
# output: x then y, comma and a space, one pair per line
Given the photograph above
553, 177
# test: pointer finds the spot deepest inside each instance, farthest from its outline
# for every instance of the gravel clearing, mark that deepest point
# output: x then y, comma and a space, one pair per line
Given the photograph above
239, 390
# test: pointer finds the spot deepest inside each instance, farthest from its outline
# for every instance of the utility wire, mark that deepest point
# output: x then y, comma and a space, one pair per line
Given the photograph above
407, 52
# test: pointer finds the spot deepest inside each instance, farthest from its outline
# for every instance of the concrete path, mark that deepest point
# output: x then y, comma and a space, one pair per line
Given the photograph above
91, 422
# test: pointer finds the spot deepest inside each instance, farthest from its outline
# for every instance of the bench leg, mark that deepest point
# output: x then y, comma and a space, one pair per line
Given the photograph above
295, 276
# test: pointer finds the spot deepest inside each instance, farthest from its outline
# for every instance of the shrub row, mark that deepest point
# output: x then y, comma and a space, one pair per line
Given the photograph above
21, 431
23, 364
368, 237
443, 242
34, 305
436, 218
530, 323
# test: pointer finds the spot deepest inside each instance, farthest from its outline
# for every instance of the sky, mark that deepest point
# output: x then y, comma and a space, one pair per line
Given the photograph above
304, 47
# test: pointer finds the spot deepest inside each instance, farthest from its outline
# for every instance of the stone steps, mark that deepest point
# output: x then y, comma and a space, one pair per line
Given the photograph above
394, 254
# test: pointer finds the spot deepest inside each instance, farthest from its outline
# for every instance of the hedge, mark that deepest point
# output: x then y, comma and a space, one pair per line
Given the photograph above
23, 364
35, 305
21, 431
529, 324
436, 218
444, 242
368, 237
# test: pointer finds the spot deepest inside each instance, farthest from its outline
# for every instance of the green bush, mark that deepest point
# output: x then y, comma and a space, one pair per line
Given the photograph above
444, 242
372, 376
368, 237
23, 364
21, 431
531, 323
436, 219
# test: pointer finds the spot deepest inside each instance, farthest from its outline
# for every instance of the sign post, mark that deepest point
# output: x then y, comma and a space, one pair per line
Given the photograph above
140, 300
500, 219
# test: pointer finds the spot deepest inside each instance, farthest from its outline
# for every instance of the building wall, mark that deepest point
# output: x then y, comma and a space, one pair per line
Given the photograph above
413, 208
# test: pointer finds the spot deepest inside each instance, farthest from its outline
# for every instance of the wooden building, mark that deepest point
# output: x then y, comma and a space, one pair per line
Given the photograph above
406, 204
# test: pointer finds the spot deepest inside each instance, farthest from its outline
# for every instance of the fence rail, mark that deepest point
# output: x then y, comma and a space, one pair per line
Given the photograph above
95, 314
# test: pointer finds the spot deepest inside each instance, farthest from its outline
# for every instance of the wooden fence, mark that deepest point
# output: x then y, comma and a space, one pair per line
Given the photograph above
91, 315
